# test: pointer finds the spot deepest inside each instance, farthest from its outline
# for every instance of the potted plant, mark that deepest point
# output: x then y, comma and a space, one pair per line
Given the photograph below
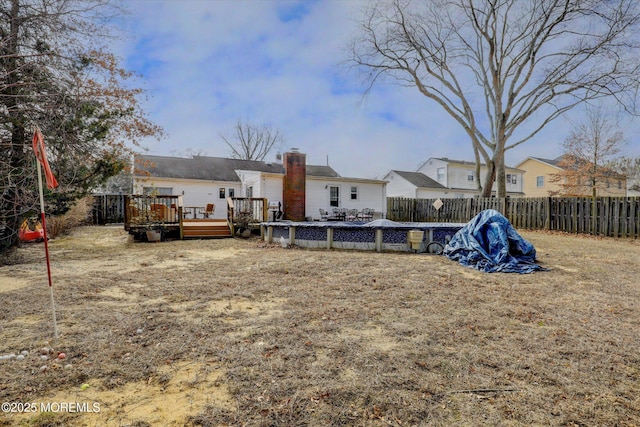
149, 224
154, 234
243, 220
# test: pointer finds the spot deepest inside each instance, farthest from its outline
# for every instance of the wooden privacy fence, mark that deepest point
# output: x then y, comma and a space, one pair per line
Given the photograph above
614, 216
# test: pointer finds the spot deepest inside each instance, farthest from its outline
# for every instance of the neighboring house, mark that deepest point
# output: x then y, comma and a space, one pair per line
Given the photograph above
442, 177
413, 185
202, 179
539, 179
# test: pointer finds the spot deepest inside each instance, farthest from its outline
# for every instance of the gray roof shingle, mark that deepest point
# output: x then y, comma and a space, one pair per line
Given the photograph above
212, 168
419, 179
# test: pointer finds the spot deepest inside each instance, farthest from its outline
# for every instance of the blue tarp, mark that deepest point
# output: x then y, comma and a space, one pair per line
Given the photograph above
490, 243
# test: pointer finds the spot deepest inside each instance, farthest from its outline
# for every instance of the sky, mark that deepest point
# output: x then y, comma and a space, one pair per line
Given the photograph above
207, 64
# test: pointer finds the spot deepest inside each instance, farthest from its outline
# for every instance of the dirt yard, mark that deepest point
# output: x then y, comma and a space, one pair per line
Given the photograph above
240, 333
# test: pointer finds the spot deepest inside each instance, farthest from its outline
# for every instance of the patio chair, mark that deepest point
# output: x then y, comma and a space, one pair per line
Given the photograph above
209, 209
324, 215
366, 214
339, 213
352, 215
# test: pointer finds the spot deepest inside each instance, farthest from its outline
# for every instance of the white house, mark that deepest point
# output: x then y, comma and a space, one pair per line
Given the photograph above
203, 179
413, 185
442, 177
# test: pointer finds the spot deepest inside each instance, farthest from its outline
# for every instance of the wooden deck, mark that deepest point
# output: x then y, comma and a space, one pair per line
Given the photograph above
167, 213
205, 228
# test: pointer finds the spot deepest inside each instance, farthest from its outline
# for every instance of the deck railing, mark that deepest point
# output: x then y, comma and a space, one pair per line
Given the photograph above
246, 211
148, 210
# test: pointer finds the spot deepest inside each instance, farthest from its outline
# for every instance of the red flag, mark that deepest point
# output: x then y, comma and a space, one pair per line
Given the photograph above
41, 155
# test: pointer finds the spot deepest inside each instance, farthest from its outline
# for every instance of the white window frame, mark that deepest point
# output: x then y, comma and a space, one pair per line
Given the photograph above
335, 199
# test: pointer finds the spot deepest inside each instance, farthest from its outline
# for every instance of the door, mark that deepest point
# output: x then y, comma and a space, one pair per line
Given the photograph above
334, 197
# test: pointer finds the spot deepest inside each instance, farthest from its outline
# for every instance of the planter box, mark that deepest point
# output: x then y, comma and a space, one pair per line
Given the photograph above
154, 235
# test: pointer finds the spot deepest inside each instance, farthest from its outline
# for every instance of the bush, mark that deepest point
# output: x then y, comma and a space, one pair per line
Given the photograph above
79, 214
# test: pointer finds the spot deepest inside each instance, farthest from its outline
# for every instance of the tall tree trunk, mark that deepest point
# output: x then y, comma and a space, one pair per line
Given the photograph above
489, 179
15, 197
501, 185
478, 168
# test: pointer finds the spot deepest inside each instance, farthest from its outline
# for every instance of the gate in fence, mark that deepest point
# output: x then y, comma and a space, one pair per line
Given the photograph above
108, 209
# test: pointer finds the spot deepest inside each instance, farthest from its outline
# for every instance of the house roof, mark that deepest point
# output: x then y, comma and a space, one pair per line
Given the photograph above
558, 163
468, 163
550, 162
213, 168
419, 179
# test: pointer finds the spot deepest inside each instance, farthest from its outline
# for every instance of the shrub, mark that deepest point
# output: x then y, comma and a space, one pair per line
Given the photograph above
79, 214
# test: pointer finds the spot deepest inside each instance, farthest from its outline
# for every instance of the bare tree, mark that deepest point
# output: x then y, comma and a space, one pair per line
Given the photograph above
503, 69
252, 142
588, 151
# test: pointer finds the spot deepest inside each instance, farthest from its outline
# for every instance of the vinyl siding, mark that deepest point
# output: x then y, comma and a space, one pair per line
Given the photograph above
430, 169
456, 177
399, 187
535, 168
370, 195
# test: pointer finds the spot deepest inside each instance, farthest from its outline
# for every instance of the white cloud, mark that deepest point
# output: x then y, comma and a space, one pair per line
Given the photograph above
210, 63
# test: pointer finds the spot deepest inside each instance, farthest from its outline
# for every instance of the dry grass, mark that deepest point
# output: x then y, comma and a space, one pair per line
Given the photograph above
79, 214
329, 338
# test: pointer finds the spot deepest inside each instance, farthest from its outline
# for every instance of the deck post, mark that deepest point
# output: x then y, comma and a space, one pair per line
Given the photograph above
329, 238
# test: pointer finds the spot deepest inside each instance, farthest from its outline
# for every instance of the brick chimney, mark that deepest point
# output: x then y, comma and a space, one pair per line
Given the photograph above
294, 188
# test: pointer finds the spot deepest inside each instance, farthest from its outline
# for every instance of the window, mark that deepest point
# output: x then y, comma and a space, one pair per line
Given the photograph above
540, 181
232, 192
440, 174
471, 176
354, 193
334, 197
512, 179
249, 192
160, 191
619, 185
221, 193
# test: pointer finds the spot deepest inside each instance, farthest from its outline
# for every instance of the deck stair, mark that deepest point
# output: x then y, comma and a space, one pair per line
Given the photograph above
209, 228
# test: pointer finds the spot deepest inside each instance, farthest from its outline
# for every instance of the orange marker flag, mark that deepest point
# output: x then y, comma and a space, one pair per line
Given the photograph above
41, 155
38, 149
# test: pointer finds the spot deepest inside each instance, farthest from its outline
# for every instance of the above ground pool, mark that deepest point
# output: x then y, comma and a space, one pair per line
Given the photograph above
379, 235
